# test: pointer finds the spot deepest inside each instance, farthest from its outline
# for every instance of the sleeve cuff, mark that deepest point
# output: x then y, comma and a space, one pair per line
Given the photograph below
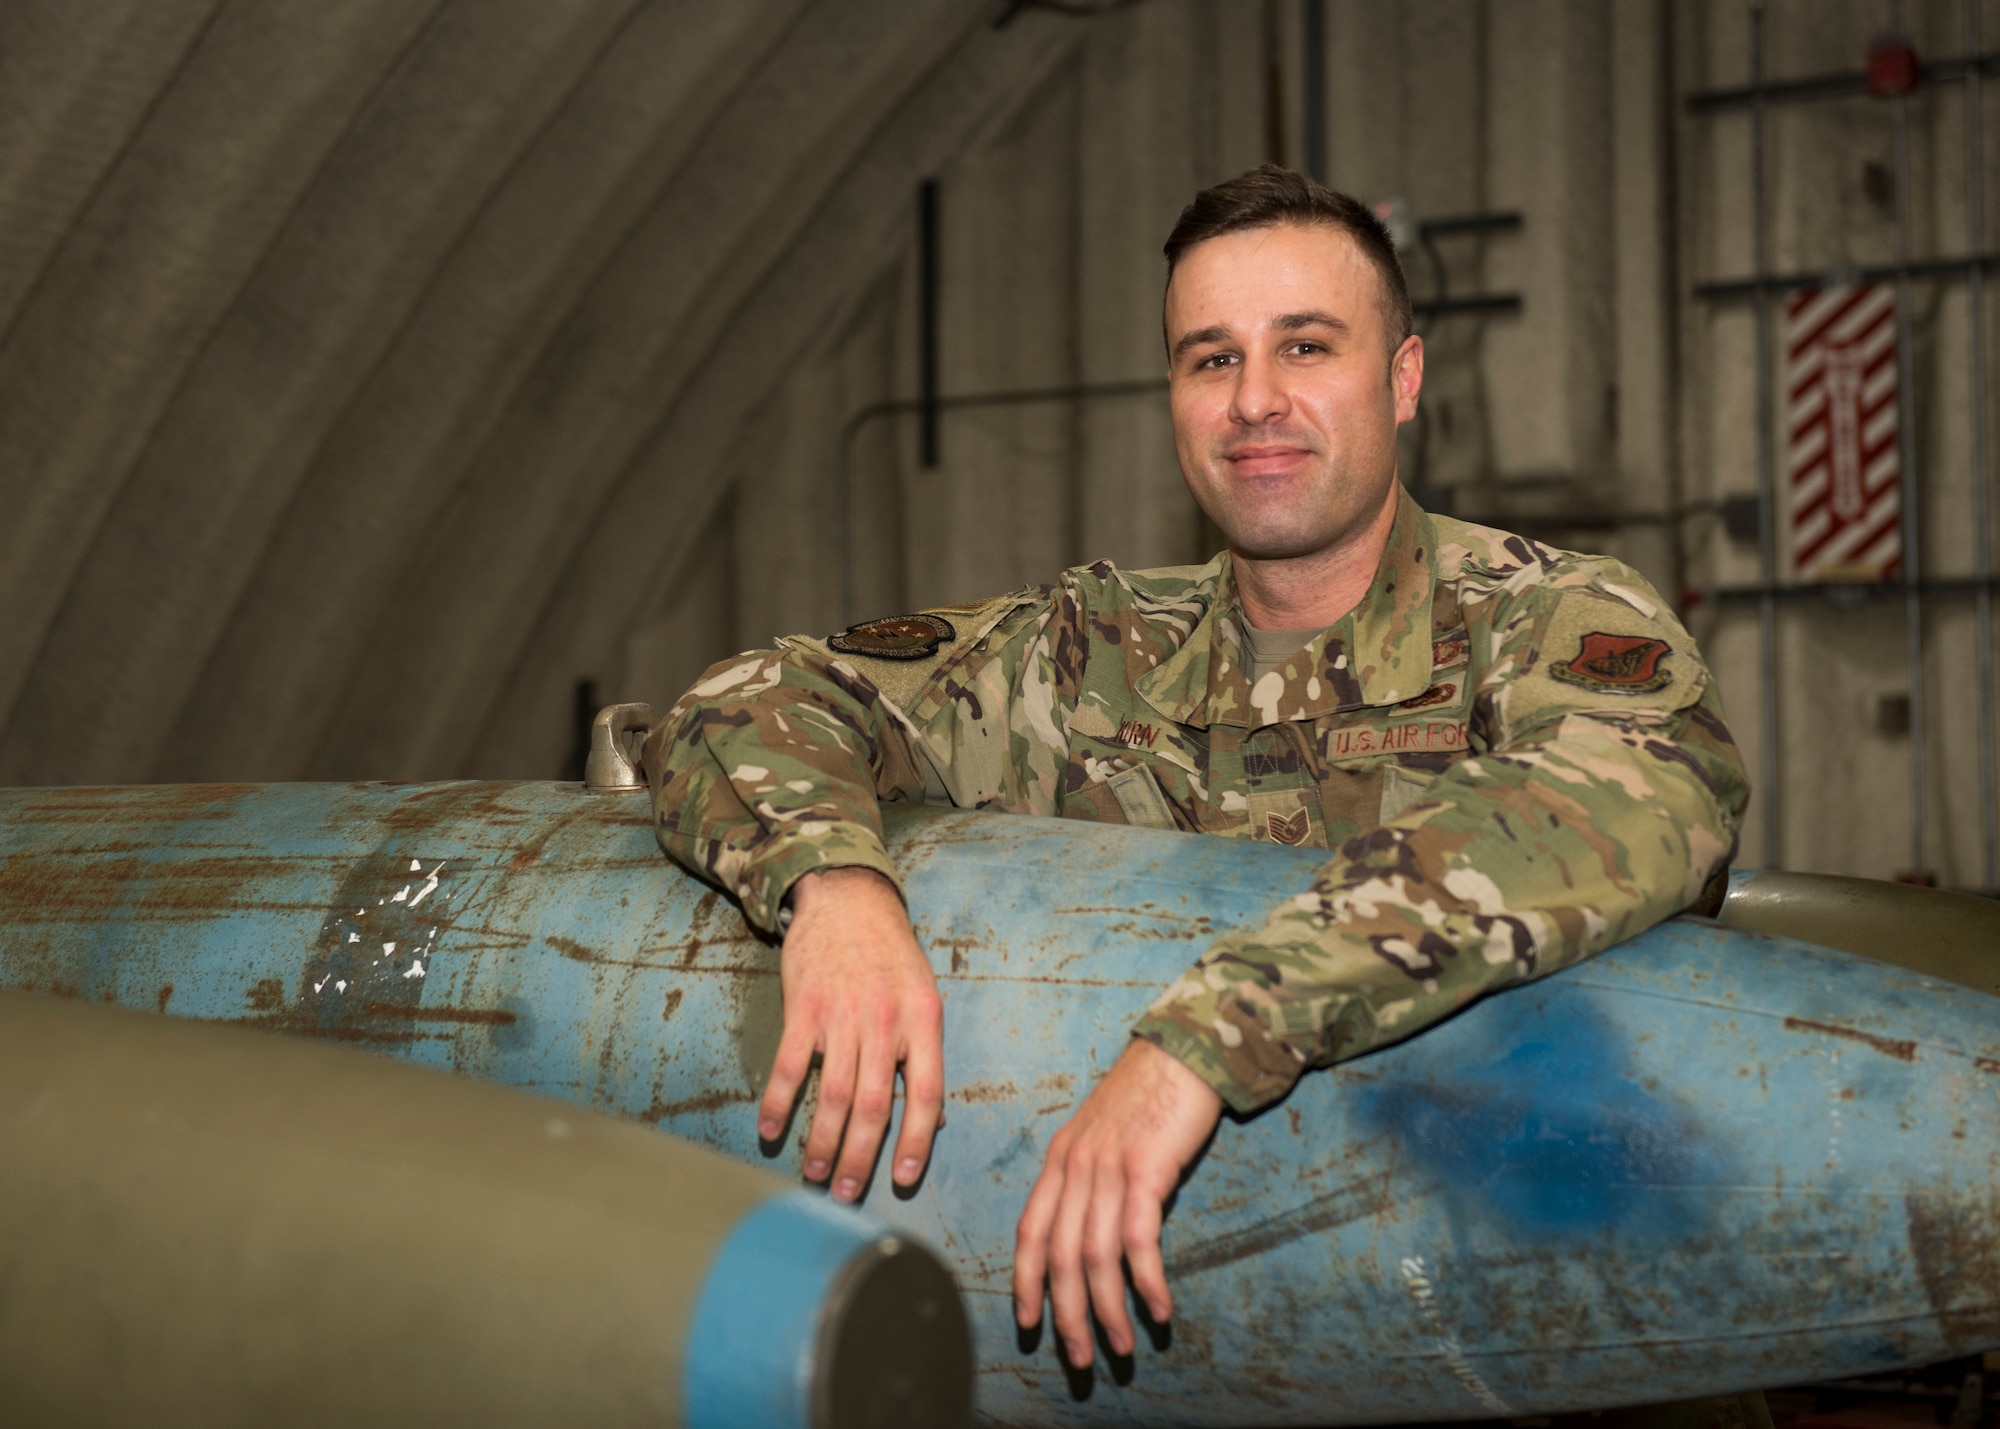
784, 863
1232, 1051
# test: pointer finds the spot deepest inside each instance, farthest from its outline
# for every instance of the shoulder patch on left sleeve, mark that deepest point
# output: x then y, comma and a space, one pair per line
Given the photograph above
1597, 651
1629, 664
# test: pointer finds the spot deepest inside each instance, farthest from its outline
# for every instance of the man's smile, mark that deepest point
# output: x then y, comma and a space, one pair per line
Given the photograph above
1267, 458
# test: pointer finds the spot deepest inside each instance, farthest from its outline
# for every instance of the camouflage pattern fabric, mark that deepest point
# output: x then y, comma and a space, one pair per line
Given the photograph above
1514, 756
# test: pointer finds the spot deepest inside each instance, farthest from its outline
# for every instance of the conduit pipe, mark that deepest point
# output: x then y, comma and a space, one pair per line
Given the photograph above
1912, 487
1982, 503
1770, 770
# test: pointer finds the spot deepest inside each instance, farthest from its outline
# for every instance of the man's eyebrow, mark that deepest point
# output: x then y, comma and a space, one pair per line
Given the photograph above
1292, 322
1200, 337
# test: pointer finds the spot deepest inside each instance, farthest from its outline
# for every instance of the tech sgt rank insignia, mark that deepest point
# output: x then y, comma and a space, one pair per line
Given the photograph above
1628, 664
894, 637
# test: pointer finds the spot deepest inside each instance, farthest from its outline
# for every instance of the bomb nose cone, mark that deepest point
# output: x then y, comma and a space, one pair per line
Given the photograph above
896, 1346
880, 1341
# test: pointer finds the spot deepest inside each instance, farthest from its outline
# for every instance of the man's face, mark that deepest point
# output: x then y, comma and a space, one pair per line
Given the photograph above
1285, 395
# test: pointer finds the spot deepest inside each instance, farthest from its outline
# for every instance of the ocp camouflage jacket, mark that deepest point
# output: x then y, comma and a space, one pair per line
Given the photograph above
1514, 755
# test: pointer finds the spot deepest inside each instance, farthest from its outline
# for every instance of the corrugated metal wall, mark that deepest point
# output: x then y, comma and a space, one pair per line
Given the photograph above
356, 357
372, 374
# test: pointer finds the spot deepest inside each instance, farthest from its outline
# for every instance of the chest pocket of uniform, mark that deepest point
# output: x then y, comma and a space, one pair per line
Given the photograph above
1139, 798
1402, 787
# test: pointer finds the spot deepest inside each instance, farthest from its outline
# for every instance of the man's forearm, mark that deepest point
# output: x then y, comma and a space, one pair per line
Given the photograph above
773, 766
1594, 835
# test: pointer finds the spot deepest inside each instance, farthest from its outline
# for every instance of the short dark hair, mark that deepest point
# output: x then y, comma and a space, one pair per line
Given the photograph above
1269, 196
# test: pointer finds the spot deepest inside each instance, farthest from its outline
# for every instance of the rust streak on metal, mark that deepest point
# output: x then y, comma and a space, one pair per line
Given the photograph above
80, 886
476, 1016
1952, 1239
578, 953
176, 802
478, 803
166, 991
1349, 1202
265, 995
1903, 1050
570, 948
1987, 1064
712, 1101
1201, 919
987, 1092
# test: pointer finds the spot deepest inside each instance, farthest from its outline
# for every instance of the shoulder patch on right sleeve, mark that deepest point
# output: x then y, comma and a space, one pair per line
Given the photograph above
895, 637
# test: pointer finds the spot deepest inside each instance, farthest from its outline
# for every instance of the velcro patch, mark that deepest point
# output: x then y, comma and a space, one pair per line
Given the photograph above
894, 637
1281, 830
1627, 664
1284, 816
1403, 736
1595, 652
1138, 734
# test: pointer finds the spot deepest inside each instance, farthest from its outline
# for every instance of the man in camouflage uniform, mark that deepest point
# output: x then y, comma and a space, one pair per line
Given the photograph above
1514, 755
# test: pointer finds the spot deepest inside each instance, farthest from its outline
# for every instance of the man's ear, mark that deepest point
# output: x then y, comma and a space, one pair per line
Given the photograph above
1406, 377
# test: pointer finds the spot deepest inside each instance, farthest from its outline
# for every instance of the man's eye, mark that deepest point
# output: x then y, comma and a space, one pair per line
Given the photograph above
1307, 349
1216, 359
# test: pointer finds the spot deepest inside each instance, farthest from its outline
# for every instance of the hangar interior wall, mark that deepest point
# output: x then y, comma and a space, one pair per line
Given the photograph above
371, 375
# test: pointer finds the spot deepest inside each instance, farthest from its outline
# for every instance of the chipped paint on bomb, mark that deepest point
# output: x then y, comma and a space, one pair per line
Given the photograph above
1707, 1160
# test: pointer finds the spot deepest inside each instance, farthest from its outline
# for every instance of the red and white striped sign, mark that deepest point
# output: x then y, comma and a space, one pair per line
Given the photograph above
1846, 503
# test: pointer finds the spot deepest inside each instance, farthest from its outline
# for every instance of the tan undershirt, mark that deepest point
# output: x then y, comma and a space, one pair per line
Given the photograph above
1267, 650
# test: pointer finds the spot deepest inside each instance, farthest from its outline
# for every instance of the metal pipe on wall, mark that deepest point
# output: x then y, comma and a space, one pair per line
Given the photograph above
1671, 242
1982, 516
1729, 289
932, 406
927, 318
935, 406
1275, 148
1769, 769
1906, 444
1313, 142
1843, 84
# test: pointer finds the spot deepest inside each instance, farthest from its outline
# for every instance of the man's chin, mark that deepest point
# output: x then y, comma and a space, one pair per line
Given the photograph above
1268, 546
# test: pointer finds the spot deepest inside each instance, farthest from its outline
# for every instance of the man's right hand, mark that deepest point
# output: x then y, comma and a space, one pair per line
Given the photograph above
859, 992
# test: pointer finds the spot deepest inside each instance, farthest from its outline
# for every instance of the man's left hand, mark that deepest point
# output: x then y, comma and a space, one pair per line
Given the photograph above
1097, 1204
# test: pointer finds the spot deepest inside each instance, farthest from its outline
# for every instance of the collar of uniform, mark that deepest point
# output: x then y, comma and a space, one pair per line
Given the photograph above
1379, 653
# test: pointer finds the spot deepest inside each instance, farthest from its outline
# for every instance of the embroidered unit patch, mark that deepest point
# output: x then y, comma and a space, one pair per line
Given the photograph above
1628, 664
894, 637
1446, 653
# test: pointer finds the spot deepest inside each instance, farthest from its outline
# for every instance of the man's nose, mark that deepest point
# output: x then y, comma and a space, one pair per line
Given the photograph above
1260, 392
